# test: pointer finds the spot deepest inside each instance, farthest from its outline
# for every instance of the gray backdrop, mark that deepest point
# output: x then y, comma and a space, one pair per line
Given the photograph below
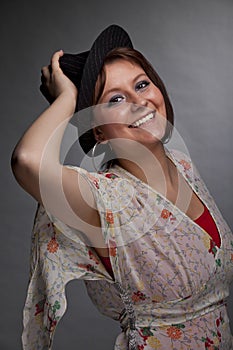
190, 44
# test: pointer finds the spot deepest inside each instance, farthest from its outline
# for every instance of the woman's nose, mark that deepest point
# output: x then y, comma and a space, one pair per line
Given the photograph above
138, 102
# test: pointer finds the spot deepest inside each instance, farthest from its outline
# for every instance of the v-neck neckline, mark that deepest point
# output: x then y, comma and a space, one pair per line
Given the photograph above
169, 202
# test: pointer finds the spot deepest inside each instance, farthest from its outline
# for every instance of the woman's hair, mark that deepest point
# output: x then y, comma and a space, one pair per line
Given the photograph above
136, 57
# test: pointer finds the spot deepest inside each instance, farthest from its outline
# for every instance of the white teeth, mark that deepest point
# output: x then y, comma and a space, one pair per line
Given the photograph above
143, 120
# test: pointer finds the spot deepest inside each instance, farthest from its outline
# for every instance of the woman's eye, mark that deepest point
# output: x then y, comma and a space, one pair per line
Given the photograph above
142, 85
116, 99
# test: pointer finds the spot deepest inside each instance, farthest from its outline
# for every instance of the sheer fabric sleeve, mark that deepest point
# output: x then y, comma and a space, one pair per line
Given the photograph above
59, 254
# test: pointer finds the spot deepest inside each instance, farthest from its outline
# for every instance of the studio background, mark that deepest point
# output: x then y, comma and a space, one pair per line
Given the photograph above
189, 43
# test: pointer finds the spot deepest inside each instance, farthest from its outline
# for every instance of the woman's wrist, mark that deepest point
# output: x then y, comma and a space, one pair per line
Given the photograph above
68, 100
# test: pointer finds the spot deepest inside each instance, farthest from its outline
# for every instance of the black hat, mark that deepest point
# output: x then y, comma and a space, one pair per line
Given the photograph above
83, 70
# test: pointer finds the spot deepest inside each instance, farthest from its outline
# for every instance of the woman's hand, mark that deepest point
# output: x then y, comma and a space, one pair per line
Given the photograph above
55, 82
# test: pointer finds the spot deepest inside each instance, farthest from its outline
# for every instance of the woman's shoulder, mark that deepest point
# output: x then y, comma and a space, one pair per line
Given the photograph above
98, 178
105, 185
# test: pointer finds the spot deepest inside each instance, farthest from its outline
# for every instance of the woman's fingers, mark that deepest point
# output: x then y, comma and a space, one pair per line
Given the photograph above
45, 74
46, 71
55, 60
54, 82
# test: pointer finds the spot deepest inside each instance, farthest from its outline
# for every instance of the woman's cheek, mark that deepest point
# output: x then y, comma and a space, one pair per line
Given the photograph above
120, 113
114, 130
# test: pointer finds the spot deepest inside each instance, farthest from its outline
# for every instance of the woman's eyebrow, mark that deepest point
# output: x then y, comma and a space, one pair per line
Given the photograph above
139, 75
118, 88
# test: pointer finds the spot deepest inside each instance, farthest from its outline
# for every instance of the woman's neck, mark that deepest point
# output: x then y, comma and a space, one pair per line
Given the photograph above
152, 167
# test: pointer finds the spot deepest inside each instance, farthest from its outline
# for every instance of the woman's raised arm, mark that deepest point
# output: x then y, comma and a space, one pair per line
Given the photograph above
35, 159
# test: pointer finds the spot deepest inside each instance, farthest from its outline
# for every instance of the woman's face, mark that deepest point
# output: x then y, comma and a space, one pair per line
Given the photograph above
131, 106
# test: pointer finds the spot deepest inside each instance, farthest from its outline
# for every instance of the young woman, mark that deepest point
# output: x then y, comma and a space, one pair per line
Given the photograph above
144, 234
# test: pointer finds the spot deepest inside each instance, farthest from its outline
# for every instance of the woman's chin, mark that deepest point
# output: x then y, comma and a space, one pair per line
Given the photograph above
153, 133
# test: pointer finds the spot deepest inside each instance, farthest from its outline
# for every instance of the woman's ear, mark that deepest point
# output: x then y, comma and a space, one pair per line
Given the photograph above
99, 135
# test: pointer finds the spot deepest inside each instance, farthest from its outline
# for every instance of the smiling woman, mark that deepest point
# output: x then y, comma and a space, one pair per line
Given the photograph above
145, 234
133, 61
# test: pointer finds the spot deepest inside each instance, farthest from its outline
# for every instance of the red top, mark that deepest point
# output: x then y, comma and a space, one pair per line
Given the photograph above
205, 221
107, 264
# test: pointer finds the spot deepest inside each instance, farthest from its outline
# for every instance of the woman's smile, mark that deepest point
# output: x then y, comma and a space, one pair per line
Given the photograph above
146, 119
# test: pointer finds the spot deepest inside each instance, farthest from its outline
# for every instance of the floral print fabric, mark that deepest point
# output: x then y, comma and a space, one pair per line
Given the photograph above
170, 280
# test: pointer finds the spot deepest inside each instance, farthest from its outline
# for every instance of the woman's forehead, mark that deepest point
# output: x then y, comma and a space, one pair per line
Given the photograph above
122, 71
119, 65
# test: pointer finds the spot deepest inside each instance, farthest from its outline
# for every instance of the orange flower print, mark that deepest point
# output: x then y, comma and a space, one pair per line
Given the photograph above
174, 332
231, 257
137, 296
185, 164
112, 248
52, 246
109, 217
165, 214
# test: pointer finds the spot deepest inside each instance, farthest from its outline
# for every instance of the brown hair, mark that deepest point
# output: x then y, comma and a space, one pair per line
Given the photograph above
135, 56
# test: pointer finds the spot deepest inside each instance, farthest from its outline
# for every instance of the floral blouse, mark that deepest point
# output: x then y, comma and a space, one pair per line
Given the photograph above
170, 280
